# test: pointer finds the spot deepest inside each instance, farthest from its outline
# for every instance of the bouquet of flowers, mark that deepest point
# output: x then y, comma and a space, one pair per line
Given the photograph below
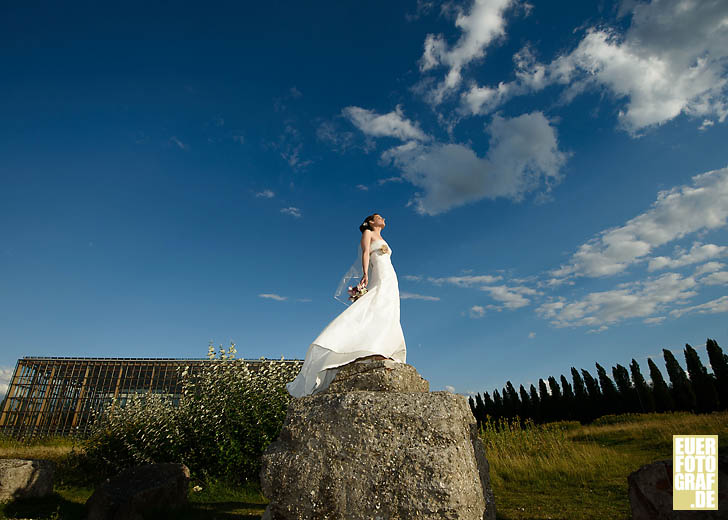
356, 292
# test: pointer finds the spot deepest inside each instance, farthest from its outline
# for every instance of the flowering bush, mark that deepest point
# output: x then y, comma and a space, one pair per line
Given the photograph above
226, 417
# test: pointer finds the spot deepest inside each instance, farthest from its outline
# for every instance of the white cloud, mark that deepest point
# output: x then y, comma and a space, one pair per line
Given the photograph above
292, 211
670, 61
412, 277
523, 153
708, 267
698, 253
675, 214
484, 24
390, 179
477, 311
178, 143
719, 278
449, 388
393, 124
362, 187
415, 296
266, 194
654, 320
272, 296
638, 299
465, 281
511, 297
711, 307
6, 373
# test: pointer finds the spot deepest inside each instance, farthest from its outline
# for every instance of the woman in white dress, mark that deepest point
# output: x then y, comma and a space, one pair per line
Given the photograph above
369, 328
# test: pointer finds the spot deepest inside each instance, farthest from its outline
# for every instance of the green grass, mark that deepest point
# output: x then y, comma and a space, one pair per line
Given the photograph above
556, 471
569, 471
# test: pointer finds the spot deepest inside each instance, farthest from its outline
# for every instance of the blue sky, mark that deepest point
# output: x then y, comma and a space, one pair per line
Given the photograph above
554, 183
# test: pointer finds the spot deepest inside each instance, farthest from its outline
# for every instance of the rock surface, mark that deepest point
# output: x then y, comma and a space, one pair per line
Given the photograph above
139, 489
26, 478
377, 445
650, 493
380, 376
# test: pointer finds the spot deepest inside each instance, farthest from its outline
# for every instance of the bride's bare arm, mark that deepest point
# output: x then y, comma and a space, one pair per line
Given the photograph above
366, 238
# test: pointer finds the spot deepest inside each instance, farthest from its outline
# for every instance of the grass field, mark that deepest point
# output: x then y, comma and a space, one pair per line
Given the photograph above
556, 471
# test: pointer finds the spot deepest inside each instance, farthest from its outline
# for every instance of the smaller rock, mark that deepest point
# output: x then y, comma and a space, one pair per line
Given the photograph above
650, 493
26, 478
138, 489
378, 376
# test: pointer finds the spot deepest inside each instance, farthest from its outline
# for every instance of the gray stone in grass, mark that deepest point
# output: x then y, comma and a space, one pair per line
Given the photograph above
353, 453
136, 490
650, 493
26, 478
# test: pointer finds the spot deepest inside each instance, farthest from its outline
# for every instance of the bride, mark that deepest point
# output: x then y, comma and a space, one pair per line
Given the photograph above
369, 328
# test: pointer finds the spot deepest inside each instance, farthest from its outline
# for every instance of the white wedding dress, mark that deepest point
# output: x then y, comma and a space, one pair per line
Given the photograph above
367, 327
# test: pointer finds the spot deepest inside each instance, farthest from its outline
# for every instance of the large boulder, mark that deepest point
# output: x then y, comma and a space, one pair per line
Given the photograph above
26, 478
377, 445
650, 493
136, 490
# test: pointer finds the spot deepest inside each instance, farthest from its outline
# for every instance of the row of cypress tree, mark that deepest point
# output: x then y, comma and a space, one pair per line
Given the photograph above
588, 397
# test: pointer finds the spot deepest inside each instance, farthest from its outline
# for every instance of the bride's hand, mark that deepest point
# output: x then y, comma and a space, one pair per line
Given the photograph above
364, 280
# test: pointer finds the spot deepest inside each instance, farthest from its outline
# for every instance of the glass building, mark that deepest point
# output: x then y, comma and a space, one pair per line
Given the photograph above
59, 395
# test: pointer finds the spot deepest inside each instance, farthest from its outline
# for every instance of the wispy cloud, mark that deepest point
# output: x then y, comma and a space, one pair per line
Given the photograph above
637, 299
362, 187
392, 124
698, 253
265, 194
677, 212
415, 296
178, 143
484, 24
670, 61
292, 211
272, 296
711, 307
477, 311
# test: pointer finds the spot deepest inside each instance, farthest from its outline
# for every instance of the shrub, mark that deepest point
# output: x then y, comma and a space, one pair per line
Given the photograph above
226, 417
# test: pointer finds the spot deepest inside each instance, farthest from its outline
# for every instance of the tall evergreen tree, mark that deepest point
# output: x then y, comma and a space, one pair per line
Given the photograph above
514, 400
556, 399
594, 404
644, 392
706, 396
546, 411
568, 399
489, 406
663, 398
682, 390
497, 405
581, 397
627, 393
719, 364
525, 403
609, 391
479, 411
507, 405
472, 409
536, 407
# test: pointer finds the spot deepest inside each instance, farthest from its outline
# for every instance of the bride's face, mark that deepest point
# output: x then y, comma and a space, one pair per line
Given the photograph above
378, 221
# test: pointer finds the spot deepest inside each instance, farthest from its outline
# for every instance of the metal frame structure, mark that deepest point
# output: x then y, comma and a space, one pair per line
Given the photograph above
58, 395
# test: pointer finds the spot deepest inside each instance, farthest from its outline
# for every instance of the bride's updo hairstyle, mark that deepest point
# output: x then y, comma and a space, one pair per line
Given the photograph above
367, 223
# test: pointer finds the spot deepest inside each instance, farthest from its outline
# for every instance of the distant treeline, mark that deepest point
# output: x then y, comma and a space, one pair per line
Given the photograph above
588, 397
